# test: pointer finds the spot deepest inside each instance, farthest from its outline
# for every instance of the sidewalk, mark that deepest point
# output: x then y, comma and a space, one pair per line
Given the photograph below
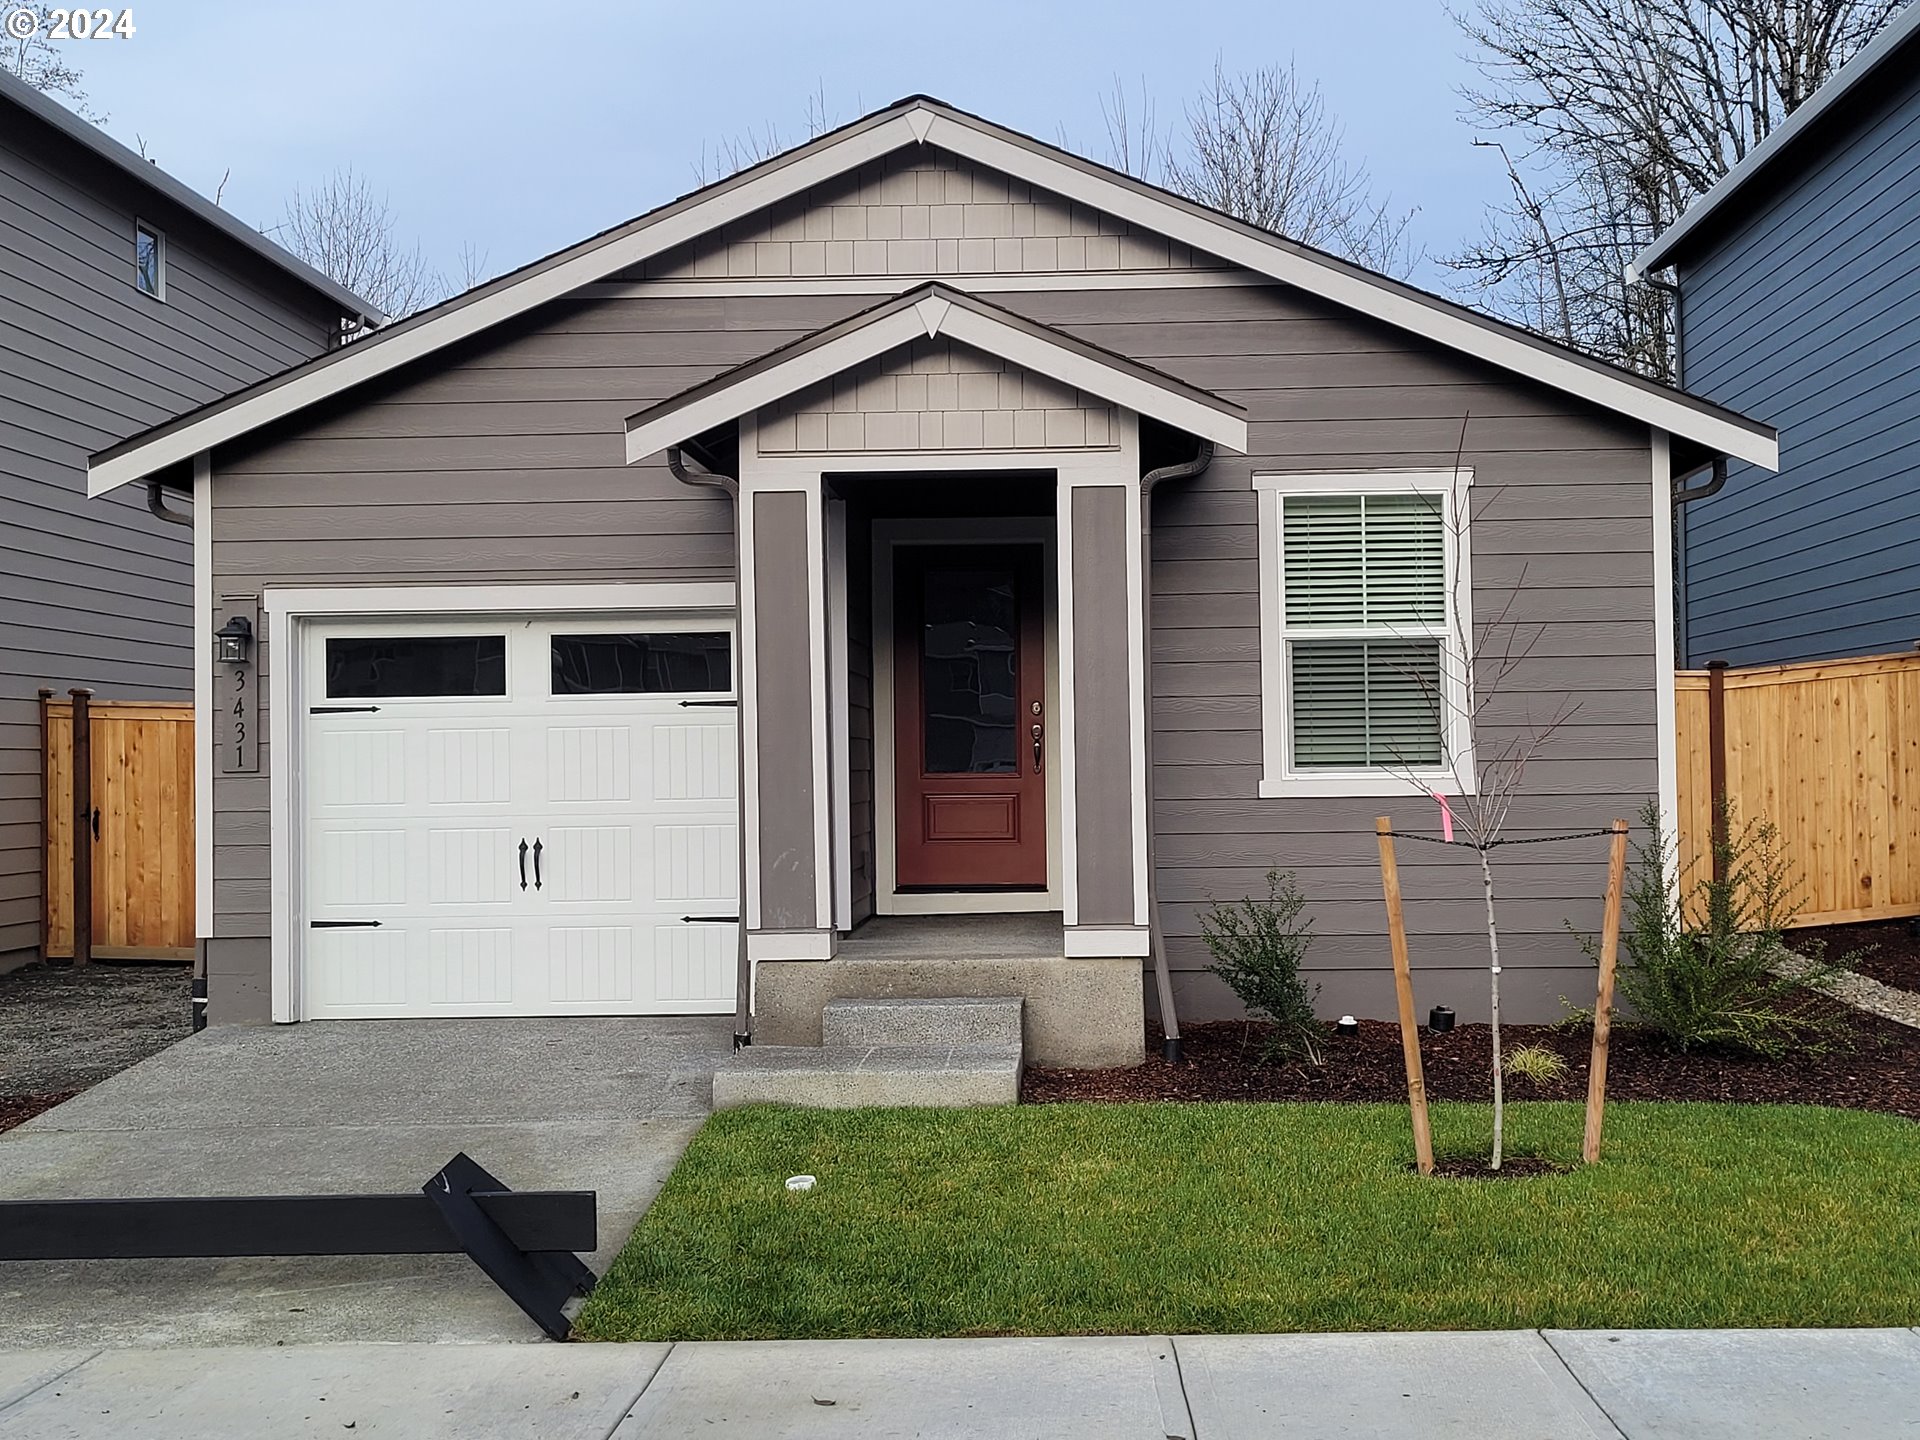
1528, 1385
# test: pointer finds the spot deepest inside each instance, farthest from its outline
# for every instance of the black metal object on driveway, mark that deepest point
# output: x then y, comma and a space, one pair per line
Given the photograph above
525, 1241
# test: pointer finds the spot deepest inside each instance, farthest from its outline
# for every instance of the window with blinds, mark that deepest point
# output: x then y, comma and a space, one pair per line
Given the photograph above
1364, 617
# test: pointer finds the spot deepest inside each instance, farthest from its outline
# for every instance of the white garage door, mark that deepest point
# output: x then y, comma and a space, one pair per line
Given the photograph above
519, 817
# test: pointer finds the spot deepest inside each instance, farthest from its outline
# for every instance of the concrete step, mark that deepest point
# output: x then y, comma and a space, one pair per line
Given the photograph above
845, 1077
948, 1020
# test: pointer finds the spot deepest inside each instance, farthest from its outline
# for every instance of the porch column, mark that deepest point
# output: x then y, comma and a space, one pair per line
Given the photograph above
788, 890
1103, 695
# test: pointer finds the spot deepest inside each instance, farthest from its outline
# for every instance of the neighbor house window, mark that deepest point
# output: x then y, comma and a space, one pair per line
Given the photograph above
150, 260
1364, 610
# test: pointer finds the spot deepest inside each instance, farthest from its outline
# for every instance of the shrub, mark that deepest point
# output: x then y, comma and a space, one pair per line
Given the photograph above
1706, 956
1257, 947
1535, 1063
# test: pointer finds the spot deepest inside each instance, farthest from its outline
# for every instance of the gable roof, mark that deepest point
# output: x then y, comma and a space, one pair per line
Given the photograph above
921, 120
17, 93
1886, 61
929, 310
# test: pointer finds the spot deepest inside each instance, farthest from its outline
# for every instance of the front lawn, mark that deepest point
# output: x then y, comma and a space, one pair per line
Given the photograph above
1087, 1219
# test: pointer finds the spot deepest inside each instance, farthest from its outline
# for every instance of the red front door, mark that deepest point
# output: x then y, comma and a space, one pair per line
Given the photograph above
970, 721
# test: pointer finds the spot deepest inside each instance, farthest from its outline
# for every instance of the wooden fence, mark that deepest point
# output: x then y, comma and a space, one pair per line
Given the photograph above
1829, 751
133, 874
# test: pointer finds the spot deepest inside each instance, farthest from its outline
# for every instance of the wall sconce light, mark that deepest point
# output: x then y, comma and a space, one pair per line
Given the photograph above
234, 639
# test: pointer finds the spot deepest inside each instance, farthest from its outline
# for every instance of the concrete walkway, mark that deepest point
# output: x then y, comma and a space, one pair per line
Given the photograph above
1512, 1385
366, 1106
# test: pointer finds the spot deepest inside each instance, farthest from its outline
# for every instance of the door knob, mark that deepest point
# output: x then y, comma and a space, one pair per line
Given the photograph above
1037, 734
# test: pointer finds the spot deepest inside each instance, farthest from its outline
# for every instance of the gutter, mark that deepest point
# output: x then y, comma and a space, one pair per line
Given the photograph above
730, 485
1156, 935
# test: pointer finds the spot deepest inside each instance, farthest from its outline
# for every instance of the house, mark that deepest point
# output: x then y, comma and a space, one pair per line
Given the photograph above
1799, 301
941, 486
125, 299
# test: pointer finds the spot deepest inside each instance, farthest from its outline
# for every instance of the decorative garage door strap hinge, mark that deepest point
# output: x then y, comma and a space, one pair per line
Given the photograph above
342, 709
707, 704
709, 919
342, 924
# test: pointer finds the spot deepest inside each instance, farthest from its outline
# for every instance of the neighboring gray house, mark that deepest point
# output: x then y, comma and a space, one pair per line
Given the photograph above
1799, 302
125, 299
1047, 482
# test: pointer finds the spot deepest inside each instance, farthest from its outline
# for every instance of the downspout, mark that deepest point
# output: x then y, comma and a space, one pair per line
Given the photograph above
743, 976
1156, 936
156, 502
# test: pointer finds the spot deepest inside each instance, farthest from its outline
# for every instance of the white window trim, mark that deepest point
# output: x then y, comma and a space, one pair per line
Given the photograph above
1278, 778
159, 291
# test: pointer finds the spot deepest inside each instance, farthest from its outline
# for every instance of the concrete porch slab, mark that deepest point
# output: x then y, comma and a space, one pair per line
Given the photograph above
1087, 1014
370, 1106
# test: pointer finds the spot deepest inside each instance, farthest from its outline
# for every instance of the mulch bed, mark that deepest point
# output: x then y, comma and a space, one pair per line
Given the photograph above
18, 1109
1888, 950
1512, 1167
1879, 1069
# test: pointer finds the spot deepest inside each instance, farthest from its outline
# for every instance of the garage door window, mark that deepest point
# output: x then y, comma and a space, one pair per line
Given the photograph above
413, 666
661, 663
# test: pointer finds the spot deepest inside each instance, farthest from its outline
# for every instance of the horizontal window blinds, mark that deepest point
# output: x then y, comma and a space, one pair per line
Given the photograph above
1356, 564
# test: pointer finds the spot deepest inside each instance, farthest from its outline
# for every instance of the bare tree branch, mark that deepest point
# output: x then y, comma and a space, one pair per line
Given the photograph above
43, 64
346, 231
1621, 114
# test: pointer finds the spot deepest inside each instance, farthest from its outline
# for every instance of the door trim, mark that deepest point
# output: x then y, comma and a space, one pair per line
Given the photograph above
290, 611
887, 536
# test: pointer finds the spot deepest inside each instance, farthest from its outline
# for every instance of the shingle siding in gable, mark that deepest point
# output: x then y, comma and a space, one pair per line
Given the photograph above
923, 212
1807, 315
98, 592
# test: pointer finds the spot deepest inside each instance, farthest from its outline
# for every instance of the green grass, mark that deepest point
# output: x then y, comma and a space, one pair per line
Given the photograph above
1088, 1219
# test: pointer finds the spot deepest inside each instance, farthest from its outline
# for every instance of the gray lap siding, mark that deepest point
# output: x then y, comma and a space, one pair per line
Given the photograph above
1562, 514
507, 465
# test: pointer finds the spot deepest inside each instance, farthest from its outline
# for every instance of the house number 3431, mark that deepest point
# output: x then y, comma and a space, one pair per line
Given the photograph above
240, 745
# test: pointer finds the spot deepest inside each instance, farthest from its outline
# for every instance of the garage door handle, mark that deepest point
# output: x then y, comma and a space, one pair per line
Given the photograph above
523, 862
536, 862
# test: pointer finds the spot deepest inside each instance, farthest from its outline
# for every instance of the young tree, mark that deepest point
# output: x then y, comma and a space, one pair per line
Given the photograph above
346, 231
1262, 146
1610, 118
1507, 731
40, 62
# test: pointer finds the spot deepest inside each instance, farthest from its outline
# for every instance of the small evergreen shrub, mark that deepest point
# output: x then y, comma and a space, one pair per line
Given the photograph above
1257, 947
1706, 965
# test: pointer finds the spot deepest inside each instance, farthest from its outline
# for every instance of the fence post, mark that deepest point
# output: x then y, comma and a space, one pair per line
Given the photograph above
82, 765
46, 822
1603, 1002
1403, 992
1717, 767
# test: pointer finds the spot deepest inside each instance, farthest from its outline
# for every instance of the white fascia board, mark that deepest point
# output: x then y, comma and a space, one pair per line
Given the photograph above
1085, 372
935, 316
1352, 291
776, 382
379, 356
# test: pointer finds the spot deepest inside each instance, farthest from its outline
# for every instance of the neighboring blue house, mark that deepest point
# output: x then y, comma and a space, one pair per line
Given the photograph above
1799, 278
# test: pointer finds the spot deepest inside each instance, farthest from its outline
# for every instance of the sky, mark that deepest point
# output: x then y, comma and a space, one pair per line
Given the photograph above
518, 127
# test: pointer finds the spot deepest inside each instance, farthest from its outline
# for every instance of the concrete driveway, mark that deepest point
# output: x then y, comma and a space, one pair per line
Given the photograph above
369, 1106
